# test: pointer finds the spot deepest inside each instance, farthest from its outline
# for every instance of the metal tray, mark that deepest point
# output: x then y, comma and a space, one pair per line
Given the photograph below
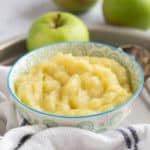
11, 49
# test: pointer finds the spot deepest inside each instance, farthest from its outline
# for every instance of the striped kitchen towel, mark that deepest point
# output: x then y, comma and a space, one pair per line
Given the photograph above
135, 137
18, 134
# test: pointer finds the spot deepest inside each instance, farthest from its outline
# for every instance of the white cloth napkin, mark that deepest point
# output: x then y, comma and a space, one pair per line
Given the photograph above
38, 137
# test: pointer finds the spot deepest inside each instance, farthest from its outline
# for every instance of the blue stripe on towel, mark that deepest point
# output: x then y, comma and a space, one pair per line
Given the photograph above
126, 138
135, 137
23, 140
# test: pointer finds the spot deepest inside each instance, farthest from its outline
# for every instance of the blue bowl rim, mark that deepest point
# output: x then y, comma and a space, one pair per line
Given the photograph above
136, 93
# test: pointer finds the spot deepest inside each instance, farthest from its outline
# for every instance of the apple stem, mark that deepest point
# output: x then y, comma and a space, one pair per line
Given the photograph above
56, 22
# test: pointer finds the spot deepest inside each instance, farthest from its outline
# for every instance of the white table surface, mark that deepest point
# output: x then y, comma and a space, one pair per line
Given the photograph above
17, 16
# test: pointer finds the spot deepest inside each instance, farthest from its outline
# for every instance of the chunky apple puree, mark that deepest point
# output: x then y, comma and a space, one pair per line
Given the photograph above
74, 85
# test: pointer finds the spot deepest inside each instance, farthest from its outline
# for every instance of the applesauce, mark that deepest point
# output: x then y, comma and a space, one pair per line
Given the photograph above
74, 85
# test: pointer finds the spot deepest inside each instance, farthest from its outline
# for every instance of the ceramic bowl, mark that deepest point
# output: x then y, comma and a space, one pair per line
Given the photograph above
96, 122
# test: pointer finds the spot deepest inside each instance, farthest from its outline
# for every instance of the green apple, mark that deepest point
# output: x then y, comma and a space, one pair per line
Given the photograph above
56, 27
131, 13
76, 6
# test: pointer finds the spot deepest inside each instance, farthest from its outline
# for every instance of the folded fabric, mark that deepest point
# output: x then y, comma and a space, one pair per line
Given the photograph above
21, 136
8, 118
66, 138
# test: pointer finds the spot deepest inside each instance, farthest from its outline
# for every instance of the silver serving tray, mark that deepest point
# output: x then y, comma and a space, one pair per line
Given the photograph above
13, 48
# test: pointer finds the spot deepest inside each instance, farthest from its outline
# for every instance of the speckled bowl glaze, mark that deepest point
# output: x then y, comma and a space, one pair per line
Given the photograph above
96, 122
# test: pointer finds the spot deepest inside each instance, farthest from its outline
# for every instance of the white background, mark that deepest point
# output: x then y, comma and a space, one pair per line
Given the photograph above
16, 16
